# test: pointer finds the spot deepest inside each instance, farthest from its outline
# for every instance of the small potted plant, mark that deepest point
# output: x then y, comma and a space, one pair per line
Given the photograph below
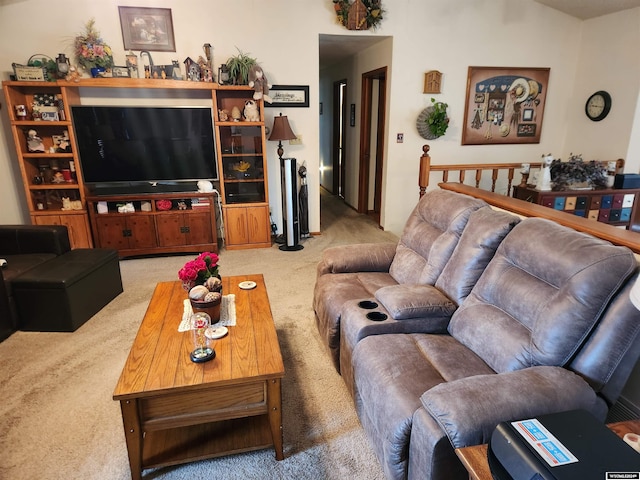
239, 66
433, 121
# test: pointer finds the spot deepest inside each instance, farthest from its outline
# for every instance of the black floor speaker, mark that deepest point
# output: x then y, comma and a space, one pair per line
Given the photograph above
290, 218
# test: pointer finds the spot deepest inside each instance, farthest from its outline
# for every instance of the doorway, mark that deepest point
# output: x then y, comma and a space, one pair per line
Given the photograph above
338, 154
372, 127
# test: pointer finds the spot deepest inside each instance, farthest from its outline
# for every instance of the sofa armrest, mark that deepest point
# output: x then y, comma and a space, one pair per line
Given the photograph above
469, 409
414, 301
19, 239
368, 257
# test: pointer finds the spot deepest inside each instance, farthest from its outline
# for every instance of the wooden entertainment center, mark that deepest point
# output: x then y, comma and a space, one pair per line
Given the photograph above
170, 222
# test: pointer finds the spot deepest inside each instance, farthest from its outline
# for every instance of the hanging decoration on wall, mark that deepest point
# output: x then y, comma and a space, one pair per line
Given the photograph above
359, 14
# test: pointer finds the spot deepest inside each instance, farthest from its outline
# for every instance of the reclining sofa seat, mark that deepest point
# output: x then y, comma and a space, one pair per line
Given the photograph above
534, 318
427, 308
356, 272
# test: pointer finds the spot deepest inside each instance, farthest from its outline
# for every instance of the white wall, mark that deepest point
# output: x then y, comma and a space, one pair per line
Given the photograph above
445, 35
608, 61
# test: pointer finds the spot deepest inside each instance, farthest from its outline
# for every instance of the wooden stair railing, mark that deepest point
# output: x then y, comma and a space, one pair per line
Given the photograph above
462, 168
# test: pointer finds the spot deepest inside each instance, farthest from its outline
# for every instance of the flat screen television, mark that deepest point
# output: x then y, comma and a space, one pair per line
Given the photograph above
144, 149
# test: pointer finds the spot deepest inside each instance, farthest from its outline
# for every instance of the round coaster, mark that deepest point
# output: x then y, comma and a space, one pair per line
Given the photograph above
248, 285
216, 332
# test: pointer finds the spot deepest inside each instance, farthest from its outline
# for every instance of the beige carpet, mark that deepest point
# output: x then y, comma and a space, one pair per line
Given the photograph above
58, 420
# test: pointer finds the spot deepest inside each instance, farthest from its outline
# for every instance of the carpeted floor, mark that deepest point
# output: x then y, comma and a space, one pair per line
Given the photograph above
58, 420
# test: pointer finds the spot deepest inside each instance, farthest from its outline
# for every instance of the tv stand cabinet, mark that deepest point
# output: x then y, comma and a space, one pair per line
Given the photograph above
159, 223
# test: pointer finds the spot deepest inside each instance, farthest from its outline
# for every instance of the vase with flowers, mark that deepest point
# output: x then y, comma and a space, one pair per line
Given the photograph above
92, 53
199, 270
200, 277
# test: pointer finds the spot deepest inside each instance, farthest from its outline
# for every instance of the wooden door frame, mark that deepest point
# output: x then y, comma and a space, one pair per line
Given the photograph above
365, 137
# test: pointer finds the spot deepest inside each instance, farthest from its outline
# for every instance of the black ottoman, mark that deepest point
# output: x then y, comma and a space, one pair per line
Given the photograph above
63, 293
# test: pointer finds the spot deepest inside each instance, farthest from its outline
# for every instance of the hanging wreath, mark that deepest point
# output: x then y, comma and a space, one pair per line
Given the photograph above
433, 121
359, 14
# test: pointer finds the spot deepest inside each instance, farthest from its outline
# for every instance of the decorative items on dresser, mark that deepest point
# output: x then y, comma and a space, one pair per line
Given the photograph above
615, 206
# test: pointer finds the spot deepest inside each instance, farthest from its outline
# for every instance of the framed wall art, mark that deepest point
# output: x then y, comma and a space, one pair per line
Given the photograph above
289, 96
147, 29
504, 105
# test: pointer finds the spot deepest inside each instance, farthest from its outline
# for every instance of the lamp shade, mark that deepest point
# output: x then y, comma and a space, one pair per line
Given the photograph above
281, 129
634, 294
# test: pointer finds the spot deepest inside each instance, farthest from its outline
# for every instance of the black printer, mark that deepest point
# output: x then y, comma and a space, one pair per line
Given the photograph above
571, 445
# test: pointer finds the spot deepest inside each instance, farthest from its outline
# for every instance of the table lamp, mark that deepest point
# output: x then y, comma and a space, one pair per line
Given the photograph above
281, 131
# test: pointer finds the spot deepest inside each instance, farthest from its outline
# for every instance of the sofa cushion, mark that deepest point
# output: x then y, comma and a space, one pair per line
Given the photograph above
540, 296
485, 230
391, 373
430, 235
19, 264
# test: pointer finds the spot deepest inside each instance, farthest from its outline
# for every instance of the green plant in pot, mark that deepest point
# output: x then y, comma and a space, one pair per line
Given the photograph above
239, 66
575, 171
433, 121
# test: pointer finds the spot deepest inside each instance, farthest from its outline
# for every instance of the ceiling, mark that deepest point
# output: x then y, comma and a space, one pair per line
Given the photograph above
335, 48
585, 9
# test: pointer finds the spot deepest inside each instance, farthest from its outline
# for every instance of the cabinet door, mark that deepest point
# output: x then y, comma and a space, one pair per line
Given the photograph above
142, 230
171, 229
79, 236
258, 224
112, 232
236, 226
126, 232
200, 230
184, 229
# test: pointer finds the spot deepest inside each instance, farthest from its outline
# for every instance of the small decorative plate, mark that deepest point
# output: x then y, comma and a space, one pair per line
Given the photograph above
248, 285
216, 332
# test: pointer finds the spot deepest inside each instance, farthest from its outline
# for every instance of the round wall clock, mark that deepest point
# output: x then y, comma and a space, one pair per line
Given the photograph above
598, 106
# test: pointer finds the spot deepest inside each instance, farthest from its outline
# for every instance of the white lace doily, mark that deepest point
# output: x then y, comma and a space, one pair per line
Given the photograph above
227, 313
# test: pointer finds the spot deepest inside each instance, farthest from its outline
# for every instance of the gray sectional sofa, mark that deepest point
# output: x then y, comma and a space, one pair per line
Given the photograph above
489, 318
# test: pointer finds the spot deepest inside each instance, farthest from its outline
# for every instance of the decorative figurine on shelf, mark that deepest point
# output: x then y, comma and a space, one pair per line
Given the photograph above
251, 113
544, 180
223, 115
176, 74
58, 177
34, 142
525, 170
235, 114
260, 84
73, 75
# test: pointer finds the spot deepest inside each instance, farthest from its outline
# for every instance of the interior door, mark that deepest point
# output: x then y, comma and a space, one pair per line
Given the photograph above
372, 127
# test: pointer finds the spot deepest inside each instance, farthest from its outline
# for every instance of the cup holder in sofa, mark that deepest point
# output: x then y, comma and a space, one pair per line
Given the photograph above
376, 316
367, 304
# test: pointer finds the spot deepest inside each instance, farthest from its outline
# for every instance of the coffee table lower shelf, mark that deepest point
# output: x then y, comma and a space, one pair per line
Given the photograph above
197, 442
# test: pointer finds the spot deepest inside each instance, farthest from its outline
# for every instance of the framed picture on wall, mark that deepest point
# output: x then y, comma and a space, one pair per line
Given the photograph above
504, 105
147, 29
289, 96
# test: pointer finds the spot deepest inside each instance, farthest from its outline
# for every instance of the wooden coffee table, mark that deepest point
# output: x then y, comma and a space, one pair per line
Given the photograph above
176, 411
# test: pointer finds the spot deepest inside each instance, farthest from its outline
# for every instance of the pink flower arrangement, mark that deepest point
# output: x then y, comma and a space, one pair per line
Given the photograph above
196, 272
90, 49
